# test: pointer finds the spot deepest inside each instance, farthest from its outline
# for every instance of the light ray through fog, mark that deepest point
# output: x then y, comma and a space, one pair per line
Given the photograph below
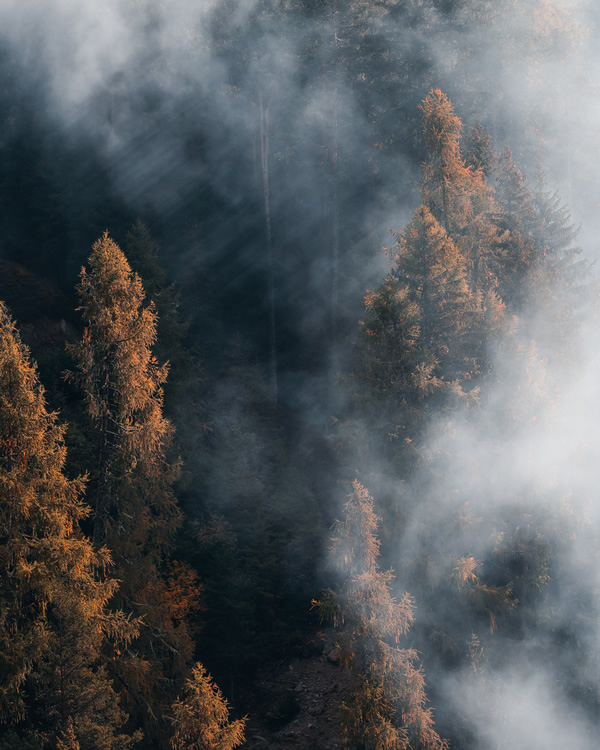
164, 98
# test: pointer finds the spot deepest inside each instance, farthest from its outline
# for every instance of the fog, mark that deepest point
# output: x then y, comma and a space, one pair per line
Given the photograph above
168, 96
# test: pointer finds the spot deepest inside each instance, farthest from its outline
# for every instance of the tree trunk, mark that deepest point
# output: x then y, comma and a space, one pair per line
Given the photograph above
102, 487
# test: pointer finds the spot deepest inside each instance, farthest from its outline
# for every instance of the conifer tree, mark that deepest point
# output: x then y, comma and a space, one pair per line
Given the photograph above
558, 273
426, 328
424, 334
389, 350
455, 192
538, 263
478, 150
53, 617
135, 511
143, 255
515, 220
445, 179
388, 708
431, 266
201, 717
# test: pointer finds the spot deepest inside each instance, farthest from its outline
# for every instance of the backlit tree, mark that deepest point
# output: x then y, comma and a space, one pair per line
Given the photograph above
135, 511
53, 616
388, 708
201, 717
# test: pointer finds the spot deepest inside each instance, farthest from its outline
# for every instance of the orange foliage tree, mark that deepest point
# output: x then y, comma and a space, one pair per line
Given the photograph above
201, 717
53, 615
136, 512
388, 707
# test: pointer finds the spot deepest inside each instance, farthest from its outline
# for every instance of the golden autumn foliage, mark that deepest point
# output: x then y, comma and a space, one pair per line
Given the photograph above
201, 717
388, 707
457, 194
53, 615
449, 185
135, 511
122, 386
423, 342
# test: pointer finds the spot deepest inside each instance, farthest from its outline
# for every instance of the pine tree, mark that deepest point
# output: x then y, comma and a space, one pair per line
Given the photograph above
388, 709
53, 617
135, 511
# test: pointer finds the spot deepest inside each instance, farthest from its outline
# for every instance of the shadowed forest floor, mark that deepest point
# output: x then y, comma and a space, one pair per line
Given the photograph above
299, 701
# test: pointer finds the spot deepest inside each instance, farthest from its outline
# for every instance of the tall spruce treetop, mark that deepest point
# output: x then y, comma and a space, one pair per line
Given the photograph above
516, 221
52, 601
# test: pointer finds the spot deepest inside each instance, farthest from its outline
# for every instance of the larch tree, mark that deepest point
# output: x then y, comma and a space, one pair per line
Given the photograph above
422, 340
135, 509
425, 332
53, 614
455, 192
389, 334
447, 182
388, 707
431, 266
201, 717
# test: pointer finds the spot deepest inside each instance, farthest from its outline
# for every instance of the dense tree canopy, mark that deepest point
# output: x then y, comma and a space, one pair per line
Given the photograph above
135, 511
249, 159
54, 616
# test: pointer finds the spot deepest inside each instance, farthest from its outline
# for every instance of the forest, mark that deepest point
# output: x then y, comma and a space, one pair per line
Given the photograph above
299, 354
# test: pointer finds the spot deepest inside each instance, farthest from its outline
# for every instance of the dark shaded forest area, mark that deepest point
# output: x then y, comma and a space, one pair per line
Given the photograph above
298, 372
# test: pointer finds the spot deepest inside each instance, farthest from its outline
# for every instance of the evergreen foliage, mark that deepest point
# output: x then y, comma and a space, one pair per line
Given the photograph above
453, 291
